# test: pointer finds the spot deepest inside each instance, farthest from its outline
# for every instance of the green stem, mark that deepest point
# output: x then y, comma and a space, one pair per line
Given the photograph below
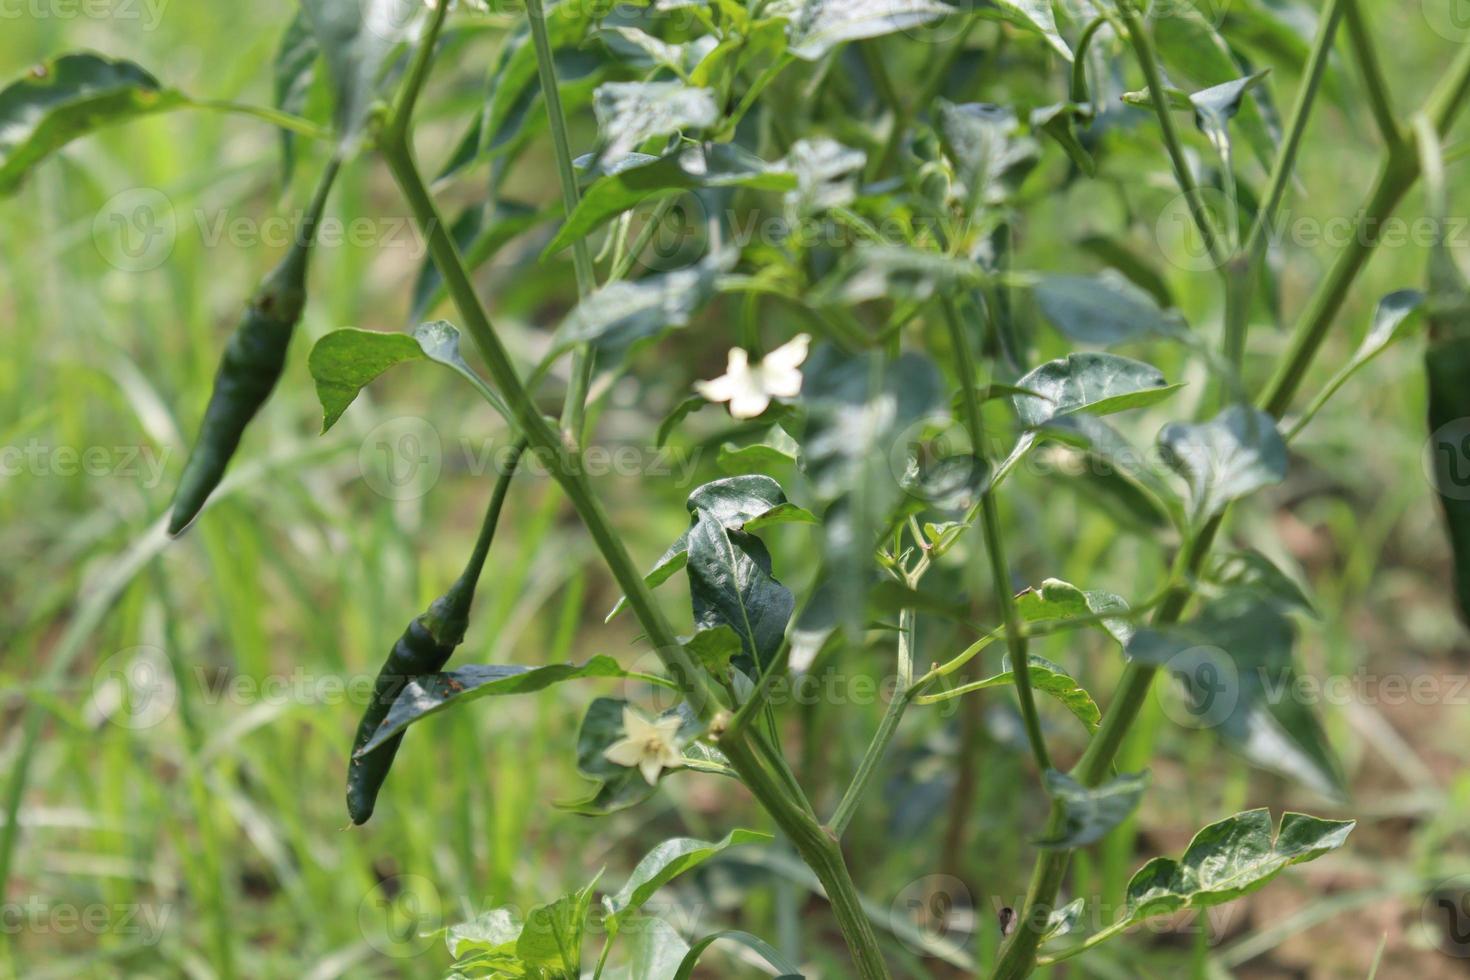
818, 848
1296, 127
1380, 103
994, 541
285, 120
1143, 50
574, 409
1399, 171
904, 691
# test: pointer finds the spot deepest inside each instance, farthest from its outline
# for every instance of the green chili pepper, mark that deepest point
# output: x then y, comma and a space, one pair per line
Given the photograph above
252, 363
424, 648
1447, 368
1447, 364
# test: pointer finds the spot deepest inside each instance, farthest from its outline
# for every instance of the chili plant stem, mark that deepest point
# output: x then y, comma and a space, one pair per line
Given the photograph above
1379, 101
1143, 49
904, 692
1000, 572
817, 847
1399, 171
574, 410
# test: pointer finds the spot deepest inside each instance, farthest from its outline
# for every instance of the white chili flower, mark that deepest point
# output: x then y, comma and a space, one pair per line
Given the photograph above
649, 745
748, 389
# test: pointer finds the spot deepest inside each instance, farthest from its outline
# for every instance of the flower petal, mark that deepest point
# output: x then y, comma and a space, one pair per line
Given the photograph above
624, 752
650, 767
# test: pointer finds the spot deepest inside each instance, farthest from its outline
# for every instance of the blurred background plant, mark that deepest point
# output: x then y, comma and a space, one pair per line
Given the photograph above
183, 814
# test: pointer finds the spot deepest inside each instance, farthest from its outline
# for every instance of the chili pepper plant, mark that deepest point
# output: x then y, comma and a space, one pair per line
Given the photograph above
857, 188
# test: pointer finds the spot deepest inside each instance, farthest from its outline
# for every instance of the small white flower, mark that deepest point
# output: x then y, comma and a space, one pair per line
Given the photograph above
748, 389
649, 745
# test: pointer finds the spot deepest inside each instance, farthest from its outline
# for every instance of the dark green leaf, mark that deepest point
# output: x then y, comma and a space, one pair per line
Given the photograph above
1233, 455
628, 113
356, 37
735, 502
425, 696
1105, 310
61, 99
1098, 383
1254, 572
1090, 812
1234, 662
294, 70
730, 583
615, 317
1229, 859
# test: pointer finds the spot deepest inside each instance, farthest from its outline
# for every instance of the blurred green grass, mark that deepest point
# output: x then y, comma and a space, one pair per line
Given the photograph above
219, 817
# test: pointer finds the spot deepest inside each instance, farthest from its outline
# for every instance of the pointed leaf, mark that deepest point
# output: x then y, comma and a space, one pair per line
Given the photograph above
780, 965
665, 863
628, 113
294, 70
730, 583
1105, 310
66, 97
1098, 383
1234, 661
433, 693
356, 37
1229, 859
1045, 676
1091, 812
684, 169
620, 314
552, 935
753, 499
1233, 455
1057, 600
1215, 107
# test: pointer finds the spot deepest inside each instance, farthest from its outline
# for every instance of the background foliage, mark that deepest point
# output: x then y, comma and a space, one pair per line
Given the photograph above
213, 810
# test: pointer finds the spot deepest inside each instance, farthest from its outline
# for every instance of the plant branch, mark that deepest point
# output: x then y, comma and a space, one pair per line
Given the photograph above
904, 692
1143, 50
574, 409
1380, 102
817, 848
1400, 169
